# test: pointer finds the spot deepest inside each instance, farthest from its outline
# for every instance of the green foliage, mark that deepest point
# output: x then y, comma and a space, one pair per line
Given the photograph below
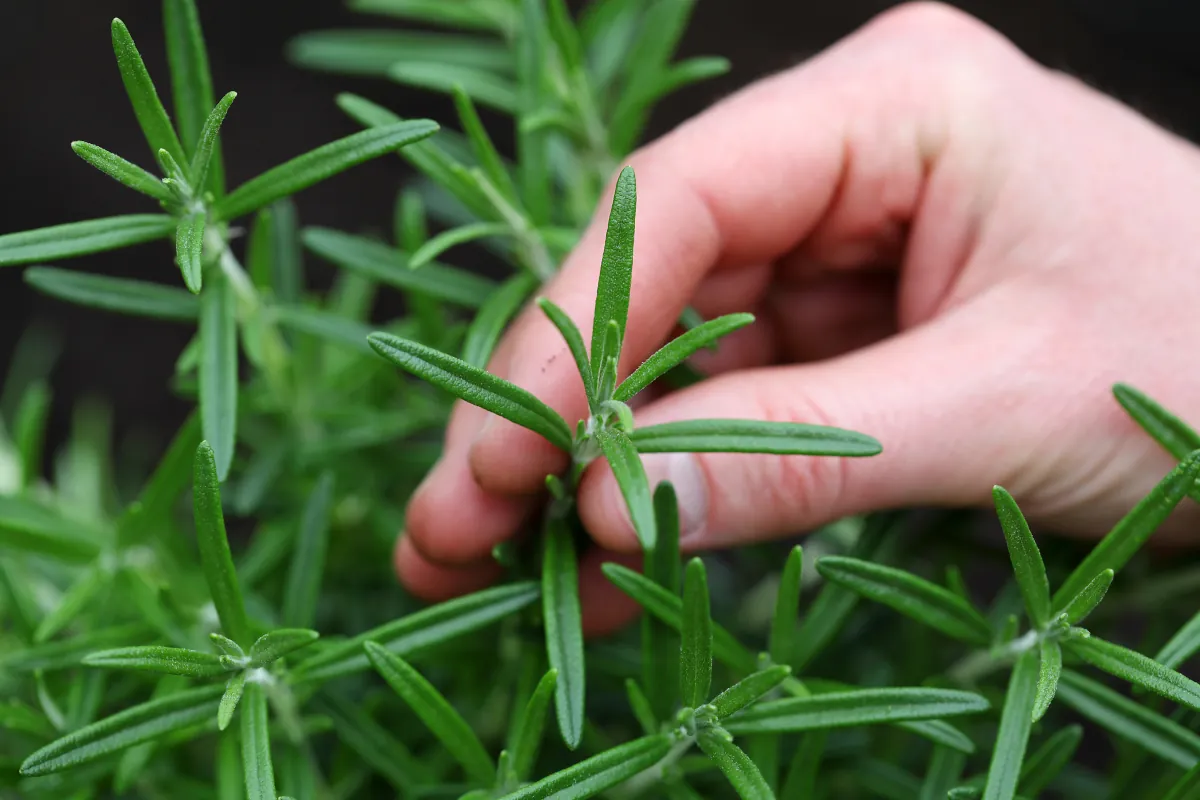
139, 627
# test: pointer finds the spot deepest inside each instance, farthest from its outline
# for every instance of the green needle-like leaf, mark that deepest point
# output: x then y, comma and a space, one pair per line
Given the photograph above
667, 81
142, 723
274, 257
695, 658
85, 591
749, 689
1142, 726
1026, 558
155, 658
564, 628
124, 296
627, 468
1176, 436
916, 597
219, 370
308, 556
189, 248
945, 770
464, 234
169, 480
535, 89
29, 431
421, 630
472, 15
214, 549
206, 164
574, 339
1048, 760
359, 732
18, 717
482, 146
1137, 669
752, 436
668, 607
443, 161
485, 88
151, 115
853, 708
191, 80
784, 626
639, 704
1088, 598
27, 527
1050, 667
599, 773
616, 269
370, 52
474, 386
679, 350
230, 699
320, 164
70, 652
176, 177
1128, 536
80, 238
606, 377
429, 157
1015, 723
833, 604
123, 171
564, 34
1187, 787
256, 745
1182, 646
942, 733
493, 316
330, 327
527, 736
438, 715
743, 774
388, 265
801, 780
275, 645
660, 643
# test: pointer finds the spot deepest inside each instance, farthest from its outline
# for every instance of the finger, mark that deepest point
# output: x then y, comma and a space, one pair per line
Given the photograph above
434, 583
942, 442
730, 291
450, 520
606, 609
840, 153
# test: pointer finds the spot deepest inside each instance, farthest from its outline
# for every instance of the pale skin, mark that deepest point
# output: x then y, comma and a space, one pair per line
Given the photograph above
946, 245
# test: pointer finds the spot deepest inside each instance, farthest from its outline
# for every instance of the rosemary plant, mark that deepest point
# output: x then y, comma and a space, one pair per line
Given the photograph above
146, 652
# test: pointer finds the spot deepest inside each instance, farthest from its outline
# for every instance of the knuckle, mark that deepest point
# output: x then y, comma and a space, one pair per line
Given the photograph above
929, 18
941, 44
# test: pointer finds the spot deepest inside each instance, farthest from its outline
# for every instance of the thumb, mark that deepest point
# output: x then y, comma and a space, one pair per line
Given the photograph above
940, 400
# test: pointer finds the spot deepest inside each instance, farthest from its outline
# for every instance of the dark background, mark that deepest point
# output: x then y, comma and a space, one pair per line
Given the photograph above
59, 82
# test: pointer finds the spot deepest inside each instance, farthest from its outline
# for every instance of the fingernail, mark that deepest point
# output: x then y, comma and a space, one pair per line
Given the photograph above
682, 471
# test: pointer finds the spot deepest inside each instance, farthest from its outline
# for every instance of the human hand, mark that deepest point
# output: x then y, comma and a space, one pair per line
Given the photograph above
947, 247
